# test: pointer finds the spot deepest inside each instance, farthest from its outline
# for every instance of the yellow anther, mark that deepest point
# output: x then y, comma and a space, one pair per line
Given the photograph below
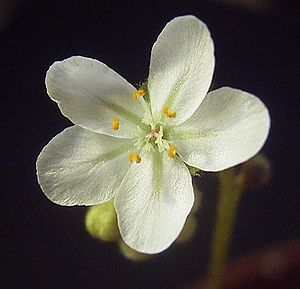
134, 157
170, 114
138, 93
172, 151
115, 123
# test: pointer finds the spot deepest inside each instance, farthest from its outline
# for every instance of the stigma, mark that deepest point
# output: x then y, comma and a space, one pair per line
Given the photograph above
170, 114
138, 93
115, 123
154, 133
134, 157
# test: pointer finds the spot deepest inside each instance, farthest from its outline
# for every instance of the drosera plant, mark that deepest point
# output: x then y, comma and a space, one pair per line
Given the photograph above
135, 145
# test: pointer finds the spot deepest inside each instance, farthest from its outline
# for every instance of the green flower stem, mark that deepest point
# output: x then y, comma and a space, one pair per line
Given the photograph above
229, 196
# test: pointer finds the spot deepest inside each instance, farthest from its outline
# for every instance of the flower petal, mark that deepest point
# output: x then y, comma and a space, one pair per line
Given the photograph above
228, 128
80, 167
181, 67
91, 95
153, 202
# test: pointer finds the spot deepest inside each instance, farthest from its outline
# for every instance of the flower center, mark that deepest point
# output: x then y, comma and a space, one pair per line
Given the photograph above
154, 134
153, 139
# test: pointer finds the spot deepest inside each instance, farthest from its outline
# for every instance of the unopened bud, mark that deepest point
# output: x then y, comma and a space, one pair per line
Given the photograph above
131, 254
101, 222
254, 173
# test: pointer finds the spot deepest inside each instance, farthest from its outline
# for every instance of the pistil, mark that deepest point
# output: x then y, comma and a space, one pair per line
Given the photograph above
154, 134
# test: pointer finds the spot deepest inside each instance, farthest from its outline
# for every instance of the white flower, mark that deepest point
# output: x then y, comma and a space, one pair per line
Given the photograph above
133, 145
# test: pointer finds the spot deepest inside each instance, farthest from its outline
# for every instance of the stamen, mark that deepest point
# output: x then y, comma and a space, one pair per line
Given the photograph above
170, 114
134, 157
172, 151
115, 123
140, 92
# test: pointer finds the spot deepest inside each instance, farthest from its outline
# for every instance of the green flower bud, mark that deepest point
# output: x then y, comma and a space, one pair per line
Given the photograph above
101, 222
254, 173
131, 254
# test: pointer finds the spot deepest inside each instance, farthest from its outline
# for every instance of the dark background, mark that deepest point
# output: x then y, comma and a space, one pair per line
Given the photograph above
44, 245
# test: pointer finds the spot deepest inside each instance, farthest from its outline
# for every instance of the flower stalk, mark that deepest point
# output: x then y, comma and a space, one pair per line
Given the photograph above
229, 196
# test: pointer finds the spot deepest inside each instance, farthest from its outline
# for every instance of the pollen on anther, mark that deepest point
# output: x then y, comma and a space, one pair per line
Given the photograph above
172, 151
170, 114
134, 157
138, 93
115, 123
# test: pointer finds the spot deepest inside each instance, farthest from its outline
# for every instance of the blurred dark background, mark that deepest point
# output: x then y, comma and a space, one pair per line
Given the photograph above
44, 245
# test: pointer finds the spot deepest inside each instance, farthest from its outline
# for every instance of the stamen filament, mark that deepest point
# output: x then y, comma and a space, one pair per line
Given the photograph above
147, 119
